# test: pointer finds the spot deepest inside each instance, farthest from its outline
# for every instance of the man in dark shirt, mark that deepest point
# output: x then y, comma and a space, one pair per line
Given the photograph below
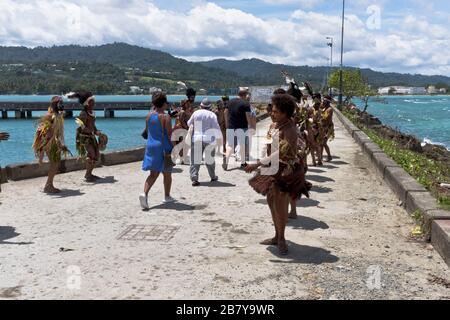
238, 117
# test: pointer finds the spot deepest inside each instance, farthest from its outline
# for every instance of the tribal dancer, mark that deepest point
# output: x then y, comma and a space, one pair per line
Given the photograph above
301, 121
187, 109
327, 125
49, 140
317, 128
220, 113
289, 182
86, 142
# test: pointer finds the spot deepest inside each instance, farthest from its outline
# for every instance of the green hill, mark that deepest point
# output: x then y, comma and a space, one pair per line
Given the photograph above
267, 73
114, 68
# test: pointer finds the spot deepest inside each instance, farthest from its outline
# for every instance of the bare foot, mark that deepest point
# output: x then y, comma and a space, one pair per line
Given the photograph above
51, 190
293, 216
92, 178
269, 242
282, 246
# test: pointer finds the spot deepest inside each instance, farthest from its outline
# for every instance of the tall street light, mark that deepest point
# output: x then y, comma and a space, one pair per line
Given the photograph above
331, 44
342, 56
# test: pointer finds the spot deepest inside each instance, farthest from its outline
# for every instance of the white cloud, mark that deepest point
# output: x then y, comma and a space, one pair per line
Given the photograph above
407, 44
307, 4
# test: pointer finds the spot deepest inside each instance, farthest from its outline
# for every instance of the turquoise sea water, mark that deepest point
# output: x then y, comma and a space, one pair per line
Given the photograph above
124, 98
124, 131
426, 117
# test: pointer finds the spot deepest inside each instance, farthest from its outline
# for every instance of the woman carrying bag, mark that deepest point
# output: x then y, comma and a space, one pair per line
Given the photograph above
157, 158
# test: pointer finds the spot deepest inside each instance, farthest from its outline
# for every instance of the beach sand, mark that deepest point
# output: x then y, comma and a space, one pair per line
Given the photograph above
351, 230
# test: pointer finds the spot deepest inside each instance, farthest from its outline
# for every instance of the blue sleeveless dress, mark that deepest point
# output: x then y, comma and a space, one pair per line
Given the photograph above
157, 145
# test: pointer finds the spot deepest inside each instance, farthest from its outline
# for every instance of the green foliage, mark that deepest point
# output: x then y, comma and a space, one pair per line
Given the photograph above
428, 172
354, 84
104, 70
444, 202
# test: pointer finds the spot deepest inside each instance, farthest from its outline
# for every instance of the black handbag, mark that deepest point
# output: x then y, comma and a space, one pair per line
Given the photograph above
145, 134
168, 163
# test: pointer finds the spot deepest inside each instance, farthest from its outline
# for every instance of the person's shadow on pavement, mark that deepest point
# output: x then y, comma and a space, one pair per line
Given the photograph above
303, 255
7, 233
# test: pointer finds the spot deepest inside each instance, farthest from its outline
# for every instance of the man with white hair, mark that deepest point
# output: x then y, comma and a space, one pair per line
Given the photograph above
238, 115
205, 138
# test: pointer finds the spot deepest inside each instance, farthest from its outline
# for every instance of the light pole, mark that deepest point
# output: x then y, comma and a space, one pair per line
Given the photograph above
331, 44
342, 56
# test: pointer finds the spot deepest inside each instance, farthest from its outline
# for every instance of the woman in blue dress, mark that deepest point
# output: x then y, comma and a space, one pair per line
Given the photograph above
159, 130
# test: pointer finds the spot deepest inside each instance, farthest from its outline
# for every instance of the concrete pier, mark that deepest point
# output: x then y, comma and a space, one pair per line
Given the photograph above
68, 114
4, 114
29, 114
205, 246
109, 113
19, 114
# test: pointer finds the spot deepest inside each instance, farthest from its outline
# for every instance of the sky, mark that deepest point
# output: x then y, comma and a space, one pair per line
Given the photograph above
390, 36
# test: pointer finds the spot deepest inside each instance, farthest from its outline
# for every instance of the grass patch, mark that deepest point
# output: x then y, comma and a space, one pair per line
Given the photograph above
427, 172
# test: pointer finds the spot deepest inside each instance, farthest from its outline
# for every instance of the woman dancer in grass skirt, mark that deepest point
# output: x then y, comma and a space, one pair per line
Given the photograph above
49, 140
327, 125
289, 181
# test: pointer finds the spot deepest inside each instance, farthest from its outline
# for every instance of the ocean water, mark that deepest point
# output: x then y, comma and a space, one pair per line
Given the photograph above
426, 117
124, 131
123, 98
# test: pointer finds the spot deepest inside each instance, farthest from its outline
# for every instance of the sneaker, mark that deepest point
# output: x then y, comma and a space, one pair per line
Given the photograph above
143, 199
169, 200
215, 179
225, 167
195, 183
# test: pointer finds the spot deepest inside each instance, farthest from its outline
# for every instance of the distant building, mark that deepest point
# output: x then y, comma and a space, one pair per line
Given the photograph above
400, 90
135, 90
432, 90
155, 89
443, 91
263, 94
384, 91
334, 91
418, 90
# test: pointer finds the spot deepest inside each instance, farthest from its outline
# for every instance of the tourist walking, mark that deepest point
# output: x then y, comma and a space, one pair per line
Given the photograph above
157, 158
206, 136
49, 140
289, 181
238, 115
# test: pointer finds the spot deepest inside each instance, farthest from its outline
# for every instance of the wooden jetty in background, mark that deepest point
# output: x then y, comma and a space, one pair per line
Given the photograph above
23, 110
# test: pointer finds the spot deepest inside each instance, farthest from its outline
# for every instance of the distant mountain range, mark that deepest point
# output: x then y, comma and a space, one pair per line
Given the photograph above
113, 68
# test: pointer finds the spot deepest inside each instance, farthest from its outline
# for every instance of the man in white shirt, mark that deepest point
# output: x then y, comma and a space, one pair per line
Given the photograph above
206, 136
